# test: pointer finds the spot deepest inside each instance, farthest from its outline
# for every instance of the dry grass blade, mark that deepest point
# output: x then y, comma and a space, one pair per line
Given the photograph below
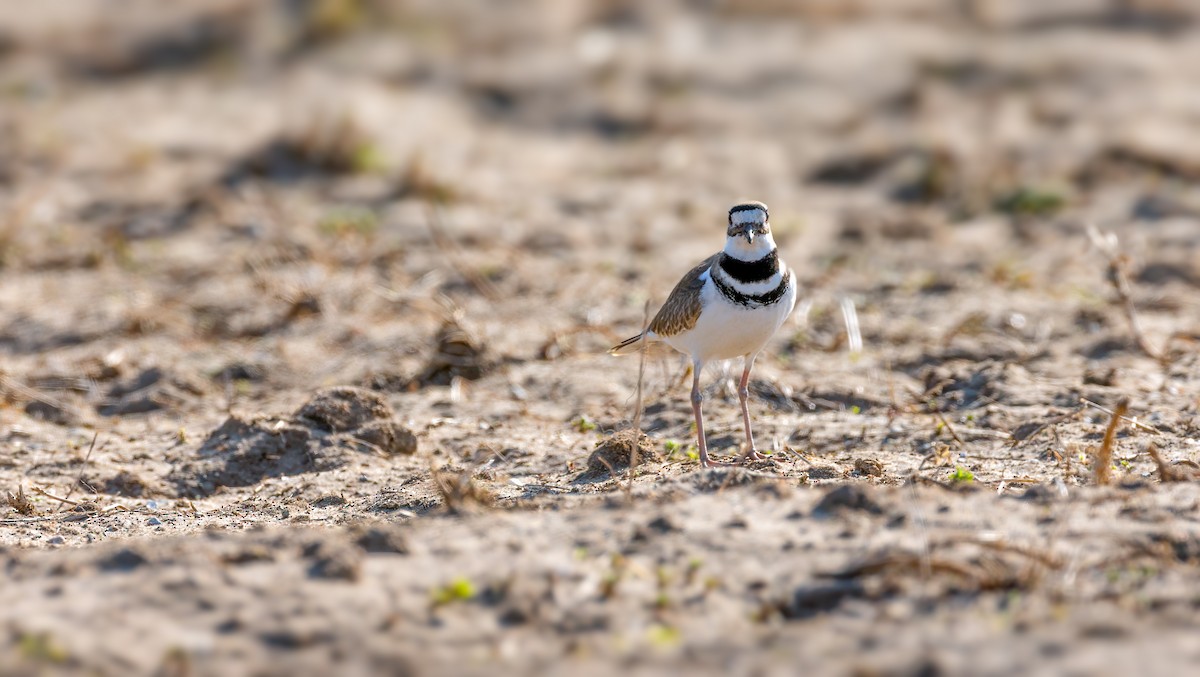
460, 492
7, 383
853, 333
1018, 439
61, 500
1048, 559
997, 576
1131, 421
79, 477
637, 412
1191, 337
452, 253
1104, 455
1118, 277
20, 502
1167, 473
554, 347
949, 428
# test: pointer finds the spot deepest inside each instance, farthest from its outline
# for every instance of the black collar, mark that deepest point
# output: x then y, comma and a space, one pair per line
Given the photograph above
748, 272
753, 300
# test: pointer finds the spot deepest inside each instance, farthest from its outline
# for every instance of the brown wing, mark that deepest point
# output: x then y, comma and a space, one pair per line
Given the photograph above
682, 308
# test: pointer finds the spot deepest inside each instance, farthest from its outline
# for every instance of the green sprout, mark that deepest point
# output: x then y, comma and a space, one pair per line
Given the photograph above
662, 601
961, 474
1031, 201
42, 648
664, 635
457, 590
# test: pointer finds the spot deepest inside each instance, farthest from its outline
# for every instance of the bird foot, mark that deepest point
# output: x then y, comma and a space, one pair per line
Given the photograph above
753, 455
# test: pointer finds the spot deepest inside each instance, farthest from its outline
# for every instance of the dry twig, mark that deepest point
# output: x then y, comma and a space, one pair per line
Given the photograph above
1048, 424
982, 577
1104, 455
1045, 558
554, 347
61, 500
637, 413
949, 428
1167, 473
1118, 277
7, 383
1131, 421
20, 502
79, 477
460, 492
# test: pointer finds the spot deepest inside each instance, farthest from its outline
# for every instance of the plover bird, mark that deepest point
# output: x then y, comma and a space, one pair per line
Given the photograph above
728, 306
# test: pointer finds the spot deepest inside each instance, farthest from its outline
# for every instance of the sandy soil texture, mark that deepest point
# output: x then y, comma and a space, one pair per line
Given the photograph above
304, 310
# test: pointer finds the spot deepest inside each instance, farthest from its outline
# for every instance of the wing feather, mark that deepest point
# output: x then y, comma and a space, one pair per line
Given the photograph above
681, 310
678, 314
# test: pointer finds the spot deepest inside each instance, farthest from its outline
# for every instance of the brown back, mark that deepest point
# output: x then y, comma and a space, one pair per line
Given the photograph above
682, 308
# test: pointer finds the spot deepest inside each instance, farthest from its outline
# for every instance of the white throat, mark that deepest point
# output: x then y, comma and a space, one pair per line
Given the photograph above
740, 249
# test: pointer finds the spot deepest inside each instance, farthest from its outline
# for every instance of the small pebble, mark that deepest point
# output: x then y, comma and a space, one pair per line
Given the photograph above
56, 540
154, 521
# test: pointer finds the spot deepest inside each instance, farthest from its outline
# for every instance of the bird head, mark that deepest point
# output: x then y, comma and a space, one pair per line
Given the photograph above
749, 220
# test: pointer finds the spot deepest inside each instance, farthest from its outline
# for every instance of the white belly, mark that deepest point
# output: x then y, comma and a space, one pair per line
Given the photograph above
726, 330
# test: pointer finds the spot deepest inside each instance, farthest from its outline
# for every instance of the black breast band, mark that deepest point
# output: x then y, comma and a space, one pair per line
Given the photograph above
753, 300
748, 272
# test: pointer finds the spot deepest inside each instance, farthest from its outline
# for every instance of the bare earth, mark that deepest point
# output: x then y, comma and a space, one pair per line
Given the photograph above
329, 285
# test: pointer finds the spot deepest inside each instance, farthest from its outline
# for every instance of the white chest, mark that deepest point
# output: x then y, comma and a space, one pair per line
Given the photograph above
726, 330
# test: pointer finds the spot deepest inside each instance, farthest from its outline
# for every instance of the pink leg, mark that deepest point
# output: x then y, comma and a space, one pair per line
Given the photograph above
697, 398
744, 395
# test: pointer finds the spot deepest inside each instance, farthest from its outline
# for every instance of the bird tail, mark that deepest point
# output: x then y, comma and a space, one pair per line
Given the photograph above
629, 346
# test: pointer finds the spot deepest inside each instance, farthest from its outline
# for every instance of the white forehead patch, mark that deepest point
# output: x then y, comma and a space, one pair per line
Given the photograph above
748, 216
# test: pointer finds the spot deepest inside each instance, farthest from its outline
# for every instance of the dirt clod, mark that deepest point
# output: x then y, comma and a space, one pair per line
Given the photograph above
328, 501
615, 451
126, 483
125, 559
809, 601
150, 390
458, 352
824, 472
848, 497
334, 561
243, 452
868, 467
389, 436
344, 408
381, 538
324, 434
461, 492
715, 480
53, 412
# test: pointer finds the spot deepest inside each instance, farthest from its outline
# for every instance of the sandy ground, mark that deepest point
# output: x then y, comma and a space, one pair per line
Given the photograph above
304, 311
